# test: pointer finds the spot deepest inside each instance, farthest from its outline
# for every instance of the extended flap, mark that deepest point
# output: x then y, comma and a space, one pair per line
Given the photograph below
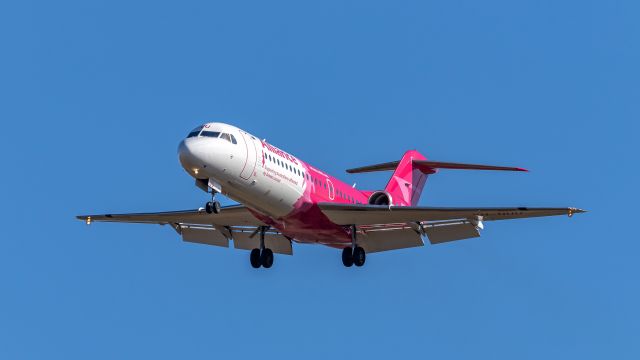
209, 236
444, 233
391, 239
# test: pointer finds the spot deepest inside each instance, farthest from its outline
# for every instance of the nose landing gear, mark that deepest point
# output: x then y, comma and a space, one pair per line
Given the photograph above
212, 207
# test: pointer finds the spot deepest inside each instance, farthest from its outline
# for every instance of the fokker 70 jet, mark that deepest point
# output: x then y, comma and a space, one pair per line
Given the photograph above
284, 200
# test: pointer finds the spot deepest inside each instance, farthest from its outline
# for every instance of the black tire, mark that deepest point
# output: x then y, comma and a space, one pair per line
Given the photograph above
216, 207
209, 207
347, 257
359, 256
254, 257
266, 258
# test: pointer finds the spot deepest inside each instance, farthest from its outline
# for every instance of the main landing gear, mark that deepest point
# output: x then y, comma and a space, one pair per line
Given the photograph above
354, 255
262, 256
212, 207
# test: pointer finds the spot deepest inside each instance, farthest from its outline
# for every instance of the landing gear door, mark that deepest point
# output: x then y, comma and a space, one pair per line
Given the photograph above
251, 158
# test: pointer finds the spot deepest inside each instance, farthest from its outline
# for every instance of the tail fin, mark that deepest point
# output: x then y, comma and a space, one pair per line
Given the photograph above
411, 172
407, 181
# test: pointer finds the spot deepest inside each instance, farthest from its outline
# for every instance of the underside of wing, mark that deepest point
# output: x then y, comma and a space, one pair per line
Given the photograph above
387, 224
230, 215
235, 223
347, 214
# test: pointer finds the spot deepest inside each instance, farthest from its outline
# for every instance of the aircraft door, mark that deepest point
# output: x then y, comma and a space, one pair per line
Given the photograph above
330, 189
252, 156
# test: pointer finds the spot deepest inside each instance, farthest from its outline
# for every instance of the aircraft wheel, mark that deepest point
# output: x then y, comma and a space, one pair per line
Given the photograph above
266, 258
359, 256
212, 207
255, 258
347, 257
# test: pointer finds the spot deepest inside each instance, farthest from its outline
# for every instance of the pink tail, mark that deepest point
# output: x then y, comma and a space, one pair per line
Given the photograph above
410, 174
407, 181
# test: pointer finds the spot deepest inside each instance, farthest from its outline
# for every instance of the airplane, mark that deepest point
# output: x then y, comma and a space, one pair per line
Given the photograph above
284, 200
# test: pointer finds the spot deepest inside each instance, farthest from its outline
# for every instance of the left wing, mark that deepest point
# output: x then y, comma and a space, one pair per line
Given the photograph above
347, 214
235, 223
389, 227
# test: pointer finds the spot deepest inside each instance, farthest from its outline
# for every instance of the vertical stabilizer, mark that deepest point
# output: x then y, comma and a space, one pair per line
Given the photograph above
407, 181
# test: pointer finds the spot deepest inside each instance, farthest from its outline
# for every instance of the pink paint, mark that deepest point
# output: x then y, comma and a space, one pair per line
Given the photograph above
307, 223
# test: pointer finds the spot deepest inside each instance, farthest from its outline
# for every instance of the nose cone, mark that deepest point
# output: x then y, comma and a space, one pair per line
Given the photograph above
192, 155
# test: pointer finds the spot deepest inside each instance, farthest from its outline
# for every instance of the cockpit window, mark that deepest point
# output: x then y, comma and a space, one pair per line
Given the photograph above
213, 134
195, 132
230, 138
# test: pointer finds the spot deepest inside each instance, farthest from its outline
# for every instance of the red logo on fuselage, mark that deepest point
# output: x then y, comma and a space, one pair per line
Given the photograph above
279, 152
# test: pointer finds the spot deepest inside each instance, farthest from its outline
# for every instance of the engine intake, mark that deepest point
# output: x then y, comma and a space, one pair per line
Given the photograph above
380, 198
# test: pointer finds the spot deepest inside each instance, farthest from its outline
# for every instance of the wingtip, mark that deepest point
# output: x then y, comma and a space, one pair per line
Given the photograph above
573, 211
86, 218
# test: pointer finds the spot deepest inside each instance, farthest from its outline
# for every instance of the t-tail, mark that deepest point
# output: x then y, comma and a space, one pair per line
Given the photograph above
411, 173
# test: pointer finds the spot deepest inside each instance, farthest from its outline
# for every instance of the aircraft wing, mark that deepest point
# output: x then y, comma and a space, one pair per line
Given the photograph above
235, 223
230, 215
387, 228
347, 214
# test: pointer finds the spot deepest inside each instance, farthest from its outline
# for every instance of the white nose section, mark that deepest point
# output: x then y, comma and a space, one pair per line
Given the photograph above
192, 155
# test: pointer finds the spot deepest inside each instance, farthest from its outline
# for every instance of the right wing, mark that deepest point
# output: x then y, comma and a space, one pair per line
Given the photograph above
230, 215
234, 222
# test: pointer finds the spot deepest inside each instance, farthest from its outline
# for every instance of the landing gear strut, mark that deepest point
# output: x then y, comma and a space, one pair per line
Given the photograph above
212, 207
354, 254
262, 256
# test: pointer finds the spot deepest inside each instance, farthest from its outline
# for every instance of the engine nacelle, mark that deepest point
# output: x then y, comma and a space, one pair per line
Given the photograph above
380, 198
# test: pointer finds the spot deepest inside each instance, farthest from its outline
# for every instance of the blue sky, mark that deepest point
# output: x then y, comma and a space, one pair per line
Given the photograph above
97, 95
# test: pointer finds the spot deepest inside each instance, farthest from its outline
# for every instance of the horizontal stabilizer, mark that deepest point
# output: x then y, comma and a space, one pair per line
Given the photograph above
377, 167
449, 165
428, 166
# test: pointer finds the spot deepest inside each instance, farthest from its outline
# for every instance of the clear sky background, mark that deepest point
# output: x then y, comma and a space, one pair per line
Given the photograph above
96, 96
